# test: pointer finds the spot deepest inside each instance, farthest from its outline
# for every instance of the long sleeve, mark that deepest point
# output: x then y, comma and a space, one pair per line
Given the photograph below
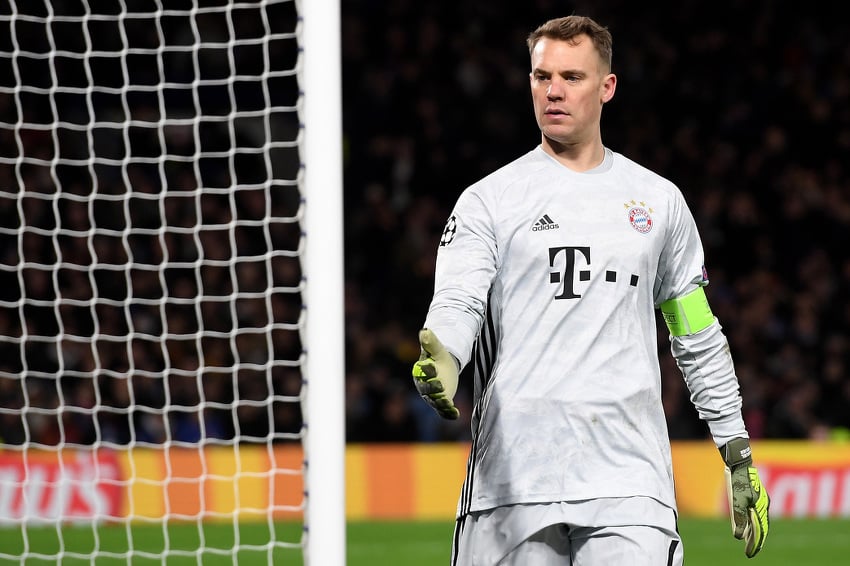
704, 357
466, 266
709, 372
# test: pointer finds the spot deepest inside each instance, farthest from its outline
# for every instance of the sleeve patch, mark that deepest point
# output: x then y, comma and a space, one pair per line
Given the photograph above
449, 231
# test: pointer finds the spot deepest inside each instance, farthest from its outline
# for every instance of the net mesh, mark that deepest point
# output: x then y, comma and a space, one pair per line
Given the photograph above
150, 277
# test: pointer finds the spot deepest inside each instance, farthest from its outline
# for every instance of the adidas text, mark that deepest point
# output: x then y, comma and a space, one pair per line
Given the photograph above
545, 223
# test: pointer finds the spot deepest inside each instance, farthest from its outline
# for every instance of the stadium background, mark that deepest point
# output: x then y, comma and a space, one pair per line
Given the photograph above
745, 105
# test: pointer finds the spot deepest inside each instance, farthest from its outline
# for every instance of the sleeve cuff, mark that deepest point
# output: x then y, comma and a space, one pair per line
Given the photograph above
457, 337
723, 429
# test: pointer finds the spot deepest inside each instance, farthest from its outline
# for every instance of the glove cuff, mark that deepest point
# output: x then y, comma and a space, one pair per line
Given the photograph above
737, 453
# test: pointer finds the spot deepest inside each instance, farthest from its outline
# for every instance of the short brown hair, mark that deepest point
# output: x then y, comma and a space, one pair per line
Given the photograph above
570, 27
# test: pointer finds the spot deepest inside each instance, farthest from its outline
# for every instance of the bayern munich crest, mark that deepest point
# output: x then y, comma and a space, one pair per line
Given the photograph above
640, 219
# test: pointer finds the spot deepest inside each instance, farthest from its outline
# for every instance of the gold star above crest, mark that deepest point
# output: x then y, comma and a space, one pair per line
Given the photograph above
635, 203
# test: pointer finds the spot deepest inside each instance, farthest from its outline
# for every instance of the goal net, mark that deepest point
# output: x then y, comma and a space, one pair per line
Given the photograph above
156, 240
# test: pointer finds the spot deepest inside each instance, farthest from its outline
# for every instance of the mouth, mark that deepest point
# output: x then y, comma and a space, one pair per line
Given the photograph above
555, 112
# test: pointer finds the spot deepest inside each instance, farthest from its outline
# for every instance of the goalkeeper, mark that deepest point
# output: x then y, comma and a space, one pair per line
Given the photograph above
548, 277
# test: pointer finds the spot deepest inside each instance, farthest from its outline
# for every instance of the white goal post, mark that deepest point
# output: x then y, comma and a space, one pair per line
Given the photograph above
171, 282
325, 365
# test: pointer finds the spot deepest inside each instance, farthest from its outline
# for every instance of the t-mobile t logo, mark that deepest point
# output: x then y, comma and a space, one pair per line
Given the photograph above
566, 256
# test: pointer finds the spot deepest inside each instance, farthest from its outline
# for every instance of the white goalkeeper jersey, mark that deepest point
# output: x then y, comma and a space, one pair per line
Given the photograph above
547, 281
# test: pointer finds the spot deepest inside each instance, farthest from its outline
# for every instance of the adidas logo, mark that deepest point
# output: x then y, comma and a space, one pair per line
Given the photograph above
545, 223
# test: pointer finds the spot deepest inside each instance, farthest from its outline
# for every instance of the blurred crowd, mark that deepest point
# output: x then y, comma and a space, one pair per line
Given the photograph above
745, 105
149, 238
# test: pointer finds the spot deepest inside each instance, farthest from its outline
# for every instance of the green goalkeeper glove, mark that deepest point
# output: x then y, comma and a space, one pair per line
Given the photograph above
748, 499
435, 375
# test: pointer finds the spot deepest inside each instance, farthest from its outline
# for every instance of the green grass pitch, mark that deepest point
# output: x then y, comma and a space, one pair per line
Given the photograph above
798, 542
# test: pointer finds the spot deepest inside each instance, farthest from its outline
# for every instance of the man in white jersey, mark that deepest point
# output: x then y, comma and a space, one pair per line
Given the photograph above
548, 275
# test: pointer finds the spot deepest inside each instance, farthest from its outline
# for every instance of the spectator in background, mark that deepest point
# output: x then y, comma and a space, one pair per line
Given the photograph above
758, 138
759, 157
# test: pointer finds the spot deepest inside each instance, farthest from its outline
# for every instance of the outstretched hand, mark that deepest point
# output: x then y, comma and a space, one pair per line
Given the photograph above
435, 375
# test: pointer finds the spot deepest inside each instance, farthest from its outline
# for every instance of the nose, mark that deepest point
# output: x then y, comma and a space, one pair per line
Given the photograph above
555, 90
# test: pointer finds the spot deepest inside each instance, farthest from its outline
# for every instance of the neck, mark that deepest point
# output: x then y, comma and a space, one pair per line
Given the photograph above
578, 156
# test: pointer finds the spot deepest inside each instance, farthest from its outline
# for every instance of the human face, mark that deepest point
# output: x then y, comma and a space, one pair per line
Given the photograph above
569, 85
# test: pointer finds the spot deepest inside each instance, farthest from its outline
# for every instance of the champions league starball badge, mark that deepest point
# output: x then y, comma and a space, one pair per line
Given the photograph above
449, 232
640, 219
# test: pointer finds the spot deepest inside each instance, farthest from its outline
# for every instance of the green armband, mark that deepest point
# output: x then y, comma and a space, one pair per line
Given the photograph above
689, 314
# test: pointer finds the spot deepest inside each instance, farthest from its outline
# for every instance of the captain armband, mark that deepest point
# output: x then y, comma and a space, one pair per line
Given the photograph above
688, 314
